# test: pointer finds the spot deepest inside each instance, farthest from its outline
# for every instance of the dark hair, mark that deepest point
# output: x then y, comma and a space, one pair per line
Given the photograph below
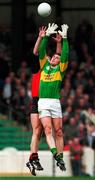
58, 54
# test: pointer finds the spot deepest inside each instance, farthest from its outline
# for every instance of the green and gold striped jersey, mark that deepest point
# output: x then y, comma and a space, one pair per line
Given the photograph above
52, 76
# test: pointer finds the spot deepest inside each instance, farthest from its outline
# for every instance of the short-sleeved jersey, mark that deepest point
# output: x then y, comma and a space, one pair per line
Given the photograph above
52, 76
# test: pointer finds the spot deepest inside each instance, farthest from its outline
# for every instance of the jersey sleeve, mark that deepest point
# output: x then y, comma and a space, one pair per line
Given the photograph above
42, 51
64, 55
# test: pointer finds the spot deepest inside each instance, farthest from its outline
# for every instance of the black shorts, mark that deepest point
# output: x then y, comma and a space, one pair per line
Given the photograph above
34, 108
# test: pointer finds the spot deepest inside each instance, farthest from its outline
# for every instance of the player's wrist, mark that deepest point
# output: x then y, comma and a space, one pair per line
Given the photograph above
47, 34
58, 42
65, 37
40, 37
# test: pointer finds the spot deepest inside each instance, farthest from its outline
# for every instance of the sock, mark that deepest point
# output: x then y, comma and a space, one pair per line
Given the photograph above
54, 151
33, 156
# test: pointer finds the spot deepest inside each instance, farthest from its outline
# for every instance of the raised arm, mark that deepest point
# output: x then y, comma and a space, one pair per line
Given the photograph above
65, 51
42, 31
50, 30
42, 48
65, 48
58, 40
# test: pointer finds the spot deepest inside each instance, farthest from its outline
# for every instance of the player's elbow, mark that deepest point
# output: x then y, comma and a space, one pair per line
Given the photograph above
35, 52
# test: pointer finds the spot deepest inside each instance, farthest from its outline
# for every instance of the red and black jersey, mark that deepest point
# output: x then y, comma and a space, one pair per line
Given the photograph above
35, 67
35, 76
35, 84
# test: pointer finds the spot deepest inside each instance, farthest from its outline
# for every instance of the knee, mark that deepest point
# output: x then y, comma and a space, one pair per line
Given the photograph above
47, 130
37, 131
58, 132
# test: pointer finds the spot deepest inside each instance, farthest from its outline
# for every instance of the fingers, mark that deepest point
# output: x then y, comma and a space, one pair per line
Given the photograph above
54, 32
56, 26
64, 26
52, 29
60, 32
42, 29
49, 25
58, 37
53, 25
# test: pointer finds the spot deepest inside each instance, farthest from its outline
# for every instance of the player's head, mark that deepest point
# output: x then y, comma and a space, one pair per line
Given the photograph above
55, 59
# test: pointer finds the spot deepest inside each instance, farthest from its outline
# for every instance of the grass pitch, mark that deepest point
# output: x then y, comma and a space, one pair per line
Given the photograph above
45, 178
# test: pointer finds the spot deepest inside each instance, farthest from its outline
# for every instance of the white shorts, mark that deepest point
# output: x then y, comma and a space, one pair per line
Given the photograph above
49, 107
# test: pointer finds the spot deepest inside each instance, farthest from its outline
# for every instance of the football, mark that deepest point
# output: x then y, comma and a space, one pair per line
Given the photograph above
44, 9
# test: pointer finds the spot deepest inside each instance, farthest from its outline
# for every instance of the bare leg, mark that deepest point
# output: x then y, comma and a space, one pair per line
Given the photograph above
37, 130
47, 125
57, 124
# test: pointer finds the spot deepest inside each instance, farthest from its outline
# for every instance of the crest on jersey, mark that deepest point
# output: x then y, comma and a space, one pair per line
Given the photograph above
48, 67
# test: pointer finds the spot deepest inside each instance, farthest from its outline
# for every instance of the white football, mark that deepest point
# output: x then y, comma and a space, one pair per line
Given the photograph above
44, 9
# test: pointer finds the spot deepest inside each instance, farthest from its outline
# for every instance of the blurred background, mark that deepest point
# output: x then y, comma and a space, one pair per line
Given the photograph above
19, 26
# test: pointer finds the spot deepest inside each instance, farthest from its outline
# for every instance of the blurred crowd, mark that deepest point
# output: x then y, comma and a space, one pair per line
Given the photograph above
78, 87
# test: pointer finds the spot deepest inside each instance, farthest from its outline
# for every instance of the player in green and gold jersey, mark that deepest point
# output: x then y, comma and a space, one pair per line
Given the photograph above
49, 107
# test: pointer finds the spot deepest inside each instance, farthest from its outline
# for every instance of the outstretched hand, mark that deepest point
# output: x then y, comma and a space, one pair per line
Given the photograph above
42, 31
58, 38
51, 29
64, 28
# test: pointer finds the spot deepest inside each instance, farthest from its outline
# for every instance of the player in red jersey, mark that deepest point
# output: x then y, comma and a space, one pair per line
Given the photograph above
34, 163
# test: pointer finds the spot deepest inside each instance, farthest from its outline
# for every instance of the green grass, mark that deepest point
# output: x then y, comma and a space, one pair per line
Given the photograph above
46, 178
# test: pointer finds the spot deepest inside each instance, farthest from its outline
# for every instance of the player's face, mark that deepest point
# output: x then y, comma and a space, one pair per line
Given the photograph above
55, 60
